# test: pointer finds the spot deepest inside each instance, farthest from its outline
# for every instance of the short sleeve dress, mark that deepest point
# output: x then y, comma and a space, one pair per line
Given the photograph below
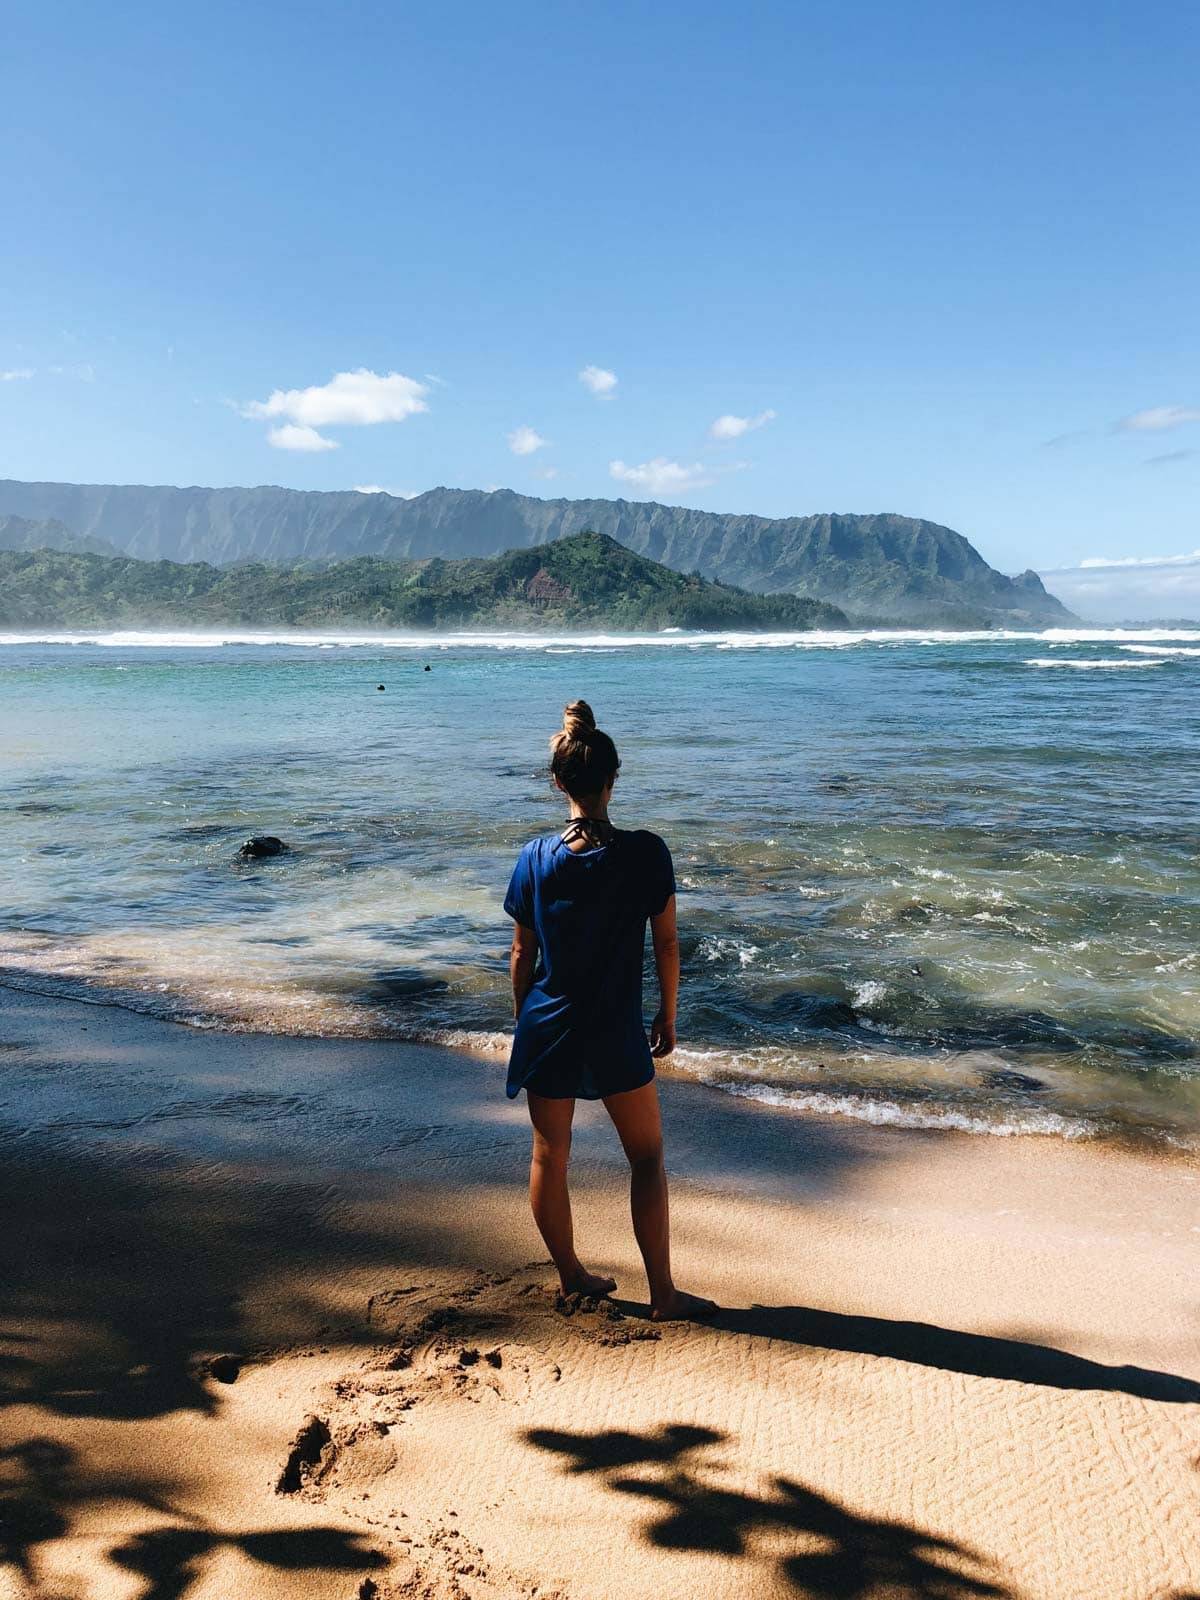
580, 1034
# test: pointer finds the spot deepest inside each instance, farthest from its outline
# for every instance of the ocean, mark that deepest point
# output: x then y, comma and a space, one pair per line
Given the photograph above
934, 879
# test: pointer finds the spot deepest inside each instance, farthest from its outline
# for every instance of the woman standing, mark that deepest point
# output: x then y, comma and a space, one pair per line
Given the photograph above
582, 898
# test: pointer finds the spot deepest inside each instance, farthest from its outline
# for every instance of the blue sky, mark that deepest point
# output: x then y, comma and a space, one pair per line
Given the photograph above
939, 254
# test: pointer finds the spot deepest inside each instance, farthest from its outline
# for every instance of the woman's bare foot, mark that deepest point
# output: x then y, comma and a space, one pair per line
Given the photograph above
682, 1307
590, 1284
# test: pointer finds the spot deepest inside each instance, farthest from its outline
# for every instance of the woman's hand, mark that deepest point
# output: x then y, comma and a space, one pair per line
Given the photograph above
666, 958
521, 963
662, 1035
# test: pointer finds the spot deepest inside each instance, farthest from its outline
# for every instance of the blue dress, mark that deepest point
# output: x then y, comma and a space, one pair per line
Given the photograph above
580, 1033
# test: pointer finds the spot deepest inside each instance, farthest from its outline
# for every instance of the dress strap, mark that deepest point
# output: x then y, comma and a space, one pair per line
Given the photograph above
595, 830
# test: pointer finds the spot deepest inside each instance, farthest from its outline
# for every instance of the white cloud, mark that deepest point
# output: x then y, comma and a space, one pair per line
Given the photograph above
547, 473
731, 427
661, 476
294, 436
1142, 561
1159, 418
15, 374
524, 441
352, 399
356, 399
378, 488
1130, 588
599, 380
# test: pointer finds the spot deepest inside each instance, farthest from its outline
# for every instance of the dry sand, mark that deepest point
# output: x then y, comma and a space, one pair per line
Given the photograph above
951, 1367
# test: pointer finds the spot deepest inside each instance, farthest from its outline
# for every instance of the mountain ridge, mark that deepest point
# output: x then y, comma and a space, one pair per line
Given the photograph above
893, 567
585, 581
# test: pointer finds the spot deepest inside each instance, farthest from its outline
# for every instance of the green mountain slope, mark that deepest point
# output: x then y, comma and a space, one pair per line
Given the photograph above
883, 565
588, 581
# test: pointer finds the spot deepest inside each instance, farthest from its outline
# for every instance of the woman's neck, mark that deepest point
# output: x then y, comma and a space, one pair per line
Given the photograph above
597, 810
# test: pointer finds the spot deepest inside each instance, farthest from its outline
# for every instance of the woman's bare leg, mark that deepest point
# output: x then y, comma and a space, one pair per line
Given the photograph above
548, 1195
636, 1117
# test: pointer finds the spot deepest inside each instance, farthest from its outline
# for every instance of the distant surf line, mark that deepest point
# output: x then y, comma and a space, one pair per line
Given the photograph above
134, 639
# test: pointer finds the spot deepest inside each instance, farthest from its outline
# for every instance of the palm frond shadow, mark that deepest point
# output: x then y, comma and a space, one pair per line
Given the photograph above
172, 1559
838, 1555
42, 1484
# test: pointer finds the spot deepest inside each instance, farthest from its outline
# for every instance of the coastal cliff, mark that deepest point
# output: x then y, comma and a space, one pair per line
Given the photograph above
885, 566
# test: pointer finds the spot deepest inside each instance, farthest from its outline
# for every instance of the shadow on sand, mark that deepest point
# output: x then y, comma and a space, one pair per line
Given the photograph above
125, 1278
977, 1355
140, 1243
829, 1552
41, 1486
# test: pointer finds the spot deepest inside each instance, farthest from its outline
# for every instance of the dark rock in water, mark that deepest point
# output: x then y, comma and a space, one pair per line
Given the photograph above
261, 845
381, 687
428, 668
1008, 1078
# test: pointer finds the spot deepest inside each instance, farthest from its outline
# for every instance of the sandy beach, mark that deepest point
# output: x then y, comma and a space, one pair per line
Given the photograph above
276, 1324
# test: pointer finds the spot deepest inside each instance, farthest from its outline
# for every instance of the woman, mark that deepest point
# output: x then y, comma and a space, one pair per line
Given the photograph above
582, 899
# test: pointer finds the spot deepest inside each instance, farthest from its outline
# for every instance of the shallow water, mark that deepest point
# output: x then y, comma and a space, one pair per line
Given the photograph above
923, 878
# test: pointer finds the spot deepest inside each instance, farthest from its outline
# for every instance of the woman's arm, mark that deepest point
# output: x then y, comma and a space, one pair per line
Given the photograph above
522, 959
666, 959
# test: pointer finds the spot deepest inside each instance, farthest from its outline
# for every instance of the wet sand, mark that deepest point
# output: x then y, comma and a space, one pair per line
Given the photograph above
275, 1324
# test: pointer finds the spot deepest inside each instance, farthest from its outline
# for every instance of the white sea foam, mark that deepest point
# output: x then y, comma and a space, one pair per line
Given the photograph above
1184, 964
891, 1113
868, 993
1161, 649
1105, 635
211, 639
716, 949
478, 1042
1064, 661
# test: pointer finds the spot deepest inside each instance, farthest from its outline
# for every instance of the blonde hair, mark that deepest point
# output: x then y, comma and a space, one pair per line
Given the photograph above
583, 759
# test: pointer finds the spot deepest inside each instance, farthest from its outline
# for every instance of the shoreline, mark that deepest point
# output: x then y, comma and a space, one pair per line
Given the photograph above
929, 1342
853, 1107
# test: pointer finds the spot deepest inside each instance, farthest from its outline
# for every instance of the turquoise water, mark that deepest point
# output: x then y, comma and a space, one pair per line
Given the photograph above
949, 880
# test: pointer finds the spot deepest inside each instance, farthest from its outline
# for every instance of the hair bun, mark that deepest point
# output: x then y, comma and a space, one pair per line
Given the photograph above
583, 760
578, 720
